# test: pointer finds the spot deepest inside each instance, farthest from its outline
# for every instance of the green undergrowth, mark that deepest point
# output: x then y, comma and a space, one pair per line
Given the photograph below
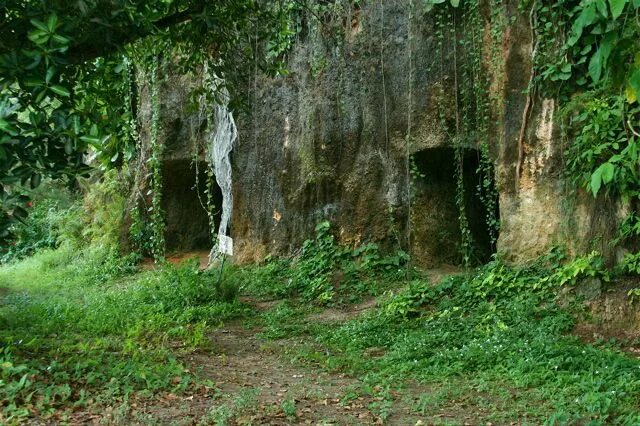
48, 211
79, 330
326, 273
83, 328
501, 333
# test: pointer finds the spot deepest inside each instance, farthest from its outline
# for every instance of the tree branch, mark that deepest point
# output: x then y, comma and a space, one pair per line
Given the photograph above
103, 38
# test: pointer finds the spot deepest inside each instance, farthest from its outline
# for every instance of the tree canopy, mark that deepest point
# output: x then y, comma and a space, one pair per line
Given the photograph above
64, 73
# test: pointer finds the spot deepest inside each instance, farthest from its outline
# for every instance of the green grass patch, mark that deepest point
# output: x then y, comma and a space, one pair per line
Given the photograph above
326, 273
78, 329
502, 333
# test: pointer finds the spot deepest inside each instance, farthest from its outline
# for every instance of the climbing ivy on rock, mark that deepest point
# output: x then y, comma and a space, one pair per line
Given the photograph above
589, 60
155, 168
586, 55
147, 226
460, 40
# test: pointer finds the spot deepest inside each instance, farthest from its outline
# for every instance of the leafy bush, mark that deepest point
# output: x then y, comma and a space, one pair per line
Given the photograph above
325, 272
603, 152
59, 217
41, 228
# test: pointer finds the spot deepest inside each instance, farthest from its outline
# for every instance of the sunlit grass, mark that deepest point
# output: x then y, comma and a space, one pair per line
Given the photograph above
74, 324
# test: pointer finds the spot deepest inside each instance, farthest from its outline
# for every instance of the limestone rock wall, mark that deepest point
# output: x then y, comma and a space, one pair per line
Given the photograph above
330, 141
539, 208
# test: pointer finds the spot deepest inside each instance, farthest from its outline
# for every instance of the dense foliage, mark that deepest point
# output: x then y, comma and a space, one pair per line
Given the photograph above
327, 273
44, 226
65, 85
495, 342
597, 71
78, 328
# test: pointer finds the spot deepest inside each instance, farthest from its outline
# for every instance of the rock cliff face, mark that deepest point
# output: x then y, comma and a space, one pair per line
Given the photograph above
539, 208
331, 140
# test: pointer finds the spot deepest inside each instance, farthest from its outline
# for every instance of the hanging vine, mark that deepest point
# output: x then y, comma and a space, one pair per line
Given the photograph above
410, 164
155, 169
129, 100
460, 35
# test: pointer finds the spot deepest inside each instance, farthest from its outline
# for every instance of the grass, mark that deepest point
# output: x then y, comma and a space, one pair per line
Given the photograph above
80, 330
501, 334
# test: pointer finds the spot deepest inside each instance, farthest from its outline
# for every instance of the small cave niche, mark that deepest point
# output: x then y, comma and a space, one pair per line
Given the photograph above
184, 201
435, 216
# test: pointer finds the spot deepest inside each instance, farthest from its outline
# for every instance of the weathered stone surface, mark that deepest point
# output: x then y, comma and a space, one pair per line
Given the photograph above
181, 134
330, 141
539, 209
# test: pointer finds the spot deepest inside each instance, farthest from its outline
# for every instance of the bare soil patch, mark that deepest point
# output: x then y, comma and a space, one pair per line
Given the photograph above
343, 314
254, 385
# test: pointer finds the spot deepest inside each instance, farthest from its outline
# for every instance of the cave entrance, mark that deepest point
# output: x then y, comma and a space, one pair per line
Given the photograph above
435, 215
183, 201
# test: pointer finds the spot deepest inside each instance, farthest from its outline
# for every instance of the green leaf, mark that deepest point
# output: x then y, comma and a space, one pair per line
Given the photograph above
61, 39
608, 43
59, 90
608, 170
50, 73
596, 181
586, 18
601, 5
603, 174
455, 3
91, 140
52, 22
428, 4
38, 37
595, 66
20, 213
39, 25
617, 6
33, 82
36, 178
5, 126
634, 82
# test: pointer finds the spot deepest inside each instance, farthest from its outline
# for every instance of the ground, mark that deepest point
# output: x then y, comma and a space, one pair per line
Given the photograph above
86, 339
258, 383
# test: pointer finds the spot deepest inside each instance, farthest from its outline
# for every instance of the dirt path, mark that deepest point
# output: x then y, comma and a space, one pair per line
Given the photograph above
256, 385
283, 393
255, 382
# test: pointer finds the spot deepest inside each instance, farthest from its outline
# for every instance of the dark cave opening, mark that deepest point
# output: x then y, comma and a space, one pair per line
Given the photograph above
184, 202
435, 214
